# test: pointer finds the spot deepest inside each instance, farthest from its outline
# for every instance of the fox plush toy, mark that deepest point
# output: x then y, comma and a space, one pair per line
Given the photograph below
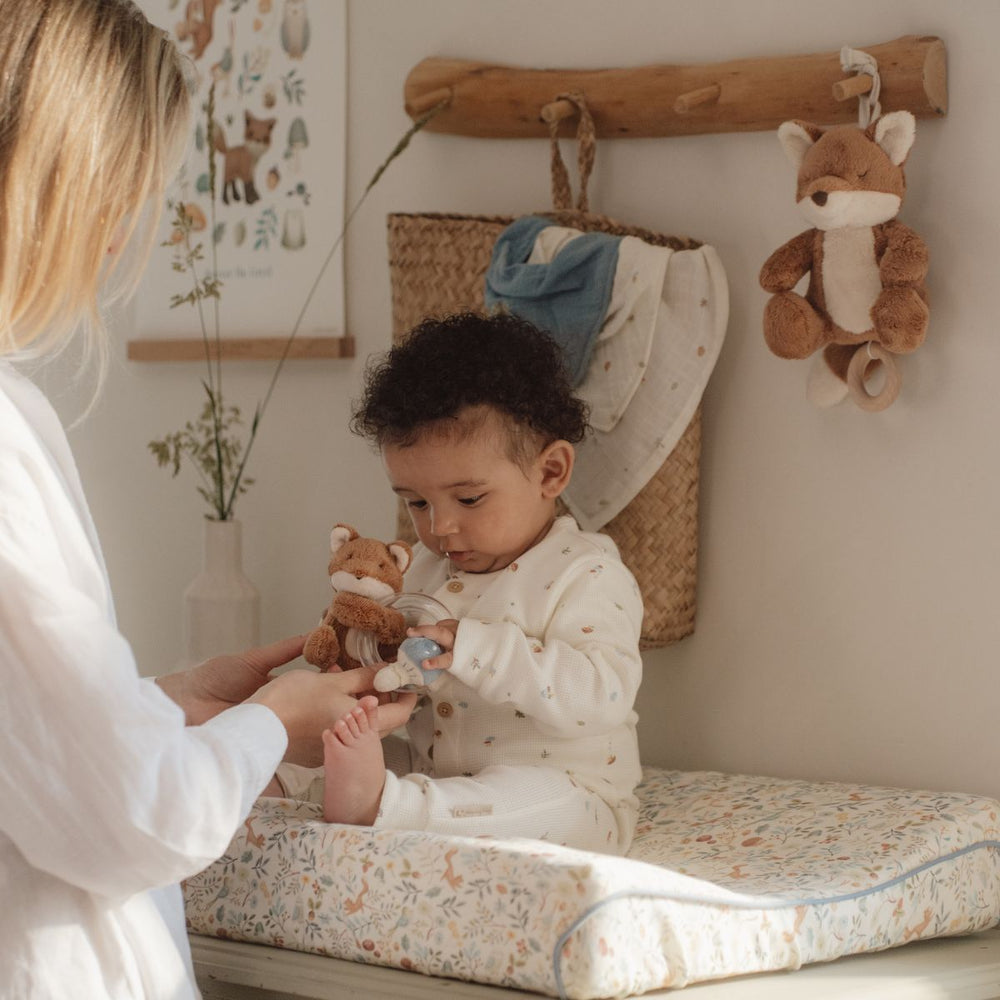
865, 300
363, 571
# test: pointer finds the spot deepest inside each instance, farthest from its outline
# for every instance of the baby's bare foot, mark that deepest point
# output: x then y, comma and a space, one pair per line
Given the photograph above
355, 767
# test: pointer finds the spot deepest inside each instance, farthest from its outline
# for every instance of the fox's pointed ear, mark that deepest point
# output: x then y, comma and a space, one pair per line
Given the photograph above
401, 553
895, 133
797, 138
340, 536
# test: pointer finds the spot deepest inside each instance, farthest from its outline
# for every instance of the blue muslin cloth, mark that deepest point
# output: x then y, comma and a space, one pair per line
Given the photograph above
567, 297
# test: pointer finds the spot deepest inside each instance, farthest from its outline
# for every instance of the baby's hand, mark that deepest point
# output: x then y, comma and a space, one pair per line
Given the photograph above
443, 633
419, 659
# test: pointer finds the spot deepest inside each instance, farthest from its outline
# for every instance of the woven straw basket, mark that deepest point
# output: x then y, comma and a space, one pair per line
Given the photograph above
437, 266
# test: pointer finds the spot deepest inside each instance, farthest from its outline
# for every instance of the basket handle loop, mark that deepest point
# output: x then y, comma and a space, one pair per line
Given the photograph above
561, 195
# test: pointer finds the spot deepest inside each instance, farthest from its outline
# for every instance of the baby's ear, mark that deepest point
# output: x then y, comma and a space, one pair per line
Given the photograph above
556, 462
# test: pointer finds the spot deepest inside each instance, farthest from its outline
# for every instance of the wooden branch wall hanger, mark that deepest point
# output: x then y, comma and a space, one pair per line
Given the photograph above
743, 95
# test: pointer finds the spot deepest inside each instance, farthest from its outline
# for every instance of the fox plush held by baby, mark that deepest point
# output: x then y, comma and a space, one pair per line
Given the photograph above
866, 269
364, 573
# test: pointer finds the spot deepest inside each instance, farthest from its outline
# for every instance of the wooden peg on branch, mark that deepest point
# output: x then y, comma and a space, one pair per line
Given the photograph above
557, 111
853, 86
697, 98
423, 103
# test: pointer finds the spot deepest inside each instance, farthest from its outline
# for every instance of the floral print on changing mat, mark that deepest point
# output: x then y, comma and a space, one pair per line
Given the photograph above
727, 875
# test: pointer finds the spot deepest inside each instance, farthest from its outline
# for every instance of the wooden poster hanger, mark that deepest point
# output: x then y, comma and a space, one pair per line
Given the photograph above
239, 348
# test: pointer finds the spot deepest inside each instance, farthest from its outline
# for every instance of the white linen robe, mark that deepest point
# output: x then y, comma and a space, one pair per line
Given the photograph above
107, 799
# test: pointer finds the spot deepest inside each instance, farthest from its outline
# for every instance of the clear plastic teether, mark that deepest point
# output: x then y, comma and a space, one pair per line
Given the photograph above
406, 672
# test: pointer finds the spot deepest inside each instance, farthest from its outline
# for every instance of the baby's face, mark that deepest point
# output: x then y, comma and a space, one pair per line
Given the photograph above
469, 501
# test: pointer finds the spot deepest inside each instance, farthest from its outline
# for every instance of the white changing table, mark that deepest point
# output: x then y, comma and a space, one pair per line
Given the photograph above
965, 968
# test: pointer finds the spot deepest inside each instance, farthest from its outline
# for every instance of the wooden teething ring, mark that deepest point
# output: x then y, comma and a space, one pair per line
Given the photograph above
858, 368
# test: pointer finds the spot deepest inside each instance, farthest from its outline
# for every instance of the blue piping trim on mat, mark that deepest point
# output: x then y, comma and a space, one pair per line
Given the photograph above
750, 903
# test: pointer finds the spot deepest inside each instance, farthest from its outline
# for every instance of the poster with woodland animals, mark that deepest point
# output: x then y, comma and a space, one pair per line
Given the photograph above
264, 185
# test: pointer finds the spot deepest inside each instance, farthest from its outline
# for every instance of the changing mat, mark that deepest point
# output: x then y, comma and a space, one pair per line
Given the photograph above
727, 875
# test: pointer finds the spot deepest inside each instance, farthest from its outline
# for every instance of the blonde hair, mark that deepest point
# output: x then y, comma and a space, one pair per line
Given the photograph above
93, 123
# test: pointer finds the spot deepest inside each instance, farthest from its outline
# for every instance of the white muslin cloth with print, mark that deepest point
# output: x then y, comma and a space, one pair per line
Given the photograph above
648, 370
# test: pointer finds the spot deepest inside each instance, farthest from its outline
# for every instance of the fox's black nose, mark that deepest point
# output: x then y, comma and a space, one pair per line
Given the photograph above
820, 198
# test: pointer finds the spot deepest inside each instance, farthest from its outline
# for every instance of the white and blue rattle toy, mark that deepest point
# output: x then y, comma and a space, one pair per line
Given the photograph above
407, 672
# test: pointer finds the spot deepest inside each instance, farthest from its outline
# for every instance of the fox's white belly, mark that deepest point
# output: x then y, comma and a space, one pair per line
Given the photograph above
851, 281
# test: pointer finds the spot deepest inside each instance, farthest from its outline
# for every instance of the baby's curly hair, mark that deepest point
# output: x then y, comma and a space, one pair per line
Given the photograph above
446, 366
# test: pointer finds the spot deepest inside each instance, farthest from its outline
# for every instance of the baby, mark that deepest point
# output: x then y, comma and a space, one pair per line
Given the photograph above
529, 731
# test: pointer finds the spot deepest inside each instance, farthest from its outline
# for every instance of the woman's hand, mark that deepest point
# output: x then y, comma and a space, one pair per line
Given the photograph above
217, 684
308, 702
305, 701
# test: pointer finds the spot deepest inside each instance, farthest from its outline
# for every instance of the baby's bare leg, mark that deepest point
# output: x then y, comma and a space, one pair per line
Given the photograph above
354, 765
273, 790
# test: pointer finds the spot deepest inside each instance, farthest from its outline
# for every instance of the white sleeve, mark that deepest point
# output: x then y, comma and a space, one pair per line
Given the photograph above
102, 783
582, 675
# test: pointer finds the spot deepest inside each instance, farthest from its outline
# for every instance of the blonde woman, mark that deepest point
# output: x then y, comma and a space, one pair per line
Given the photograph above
113, 787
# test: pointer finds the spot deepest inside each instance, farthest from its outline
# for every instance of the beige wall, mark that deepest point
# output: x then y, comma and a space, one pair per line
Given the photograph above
849, 562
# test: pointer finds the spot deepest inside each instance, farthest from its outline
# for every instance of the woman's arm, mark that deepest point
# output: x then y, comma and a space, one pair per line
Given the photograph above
306, 702
217, 684
104, 784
